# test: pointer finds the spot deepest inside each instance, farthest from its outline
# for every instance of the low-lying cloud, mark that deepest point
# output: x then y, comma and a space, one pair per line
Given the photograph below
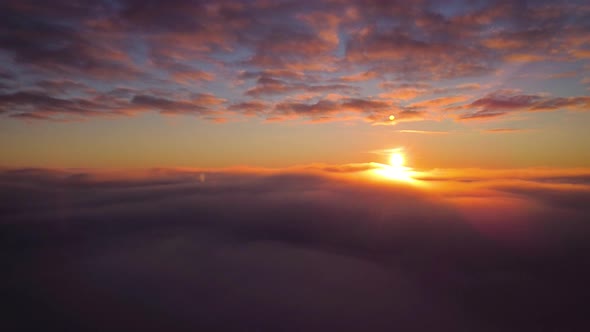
321, 248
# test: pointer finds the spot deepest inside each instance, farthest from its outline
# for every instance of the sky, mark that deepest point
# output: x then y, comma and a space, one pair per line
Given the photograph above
323, 165
120, 84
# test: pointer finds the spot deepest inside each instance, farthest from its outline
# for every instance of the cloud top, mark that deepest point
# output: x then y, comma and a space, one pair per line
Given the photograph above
314, 248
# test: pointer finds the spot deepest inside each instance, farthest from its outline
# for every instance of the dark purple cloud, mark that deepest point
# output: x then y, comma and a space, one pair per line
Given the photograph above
504, 102
201, 104
330, 109
291, 251
41, 103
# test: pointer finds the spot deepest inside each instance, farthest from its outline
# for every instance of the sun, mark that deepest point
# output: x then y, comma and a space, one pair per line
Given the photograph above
397, 160
396, 169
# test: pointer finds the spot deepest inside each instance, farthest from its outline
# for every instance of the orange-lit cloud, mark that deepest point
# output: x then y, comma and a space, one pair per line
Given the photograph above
425, 132
504, 130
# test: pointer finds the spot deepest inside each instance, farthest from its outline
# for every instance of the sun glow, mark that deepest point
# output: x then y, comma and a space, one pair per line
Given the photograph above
396, 169
397, 160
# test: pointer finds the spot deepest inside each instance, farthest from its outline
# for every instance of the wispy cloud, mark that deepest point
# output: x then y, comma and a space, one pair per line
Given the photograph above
505, 130
425, 132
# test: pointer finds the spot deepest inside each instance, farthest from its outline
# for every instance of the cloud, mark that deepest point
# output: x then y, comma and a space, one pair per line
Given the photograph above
167, 106
192, 75
328, 47
403, 94
405, 55
501, 103
565, 74
425, 132
225, 250
359, 77
268, 86
400, 116
41, 105
523, 57
506, 101
439, 102
461, 88
330, 109
572, 103
504, 130
250, 108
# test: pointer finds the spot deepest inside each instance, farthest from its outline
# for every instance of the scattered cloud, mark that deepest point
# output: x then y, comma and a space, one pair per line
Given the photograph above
71, 54
198, 105
250, 108
329, 108
501, 103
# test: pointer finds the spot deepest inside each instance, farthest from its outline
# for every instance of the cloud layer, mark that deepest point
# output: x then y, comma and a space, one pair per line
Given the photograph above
315, 249
69, 61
